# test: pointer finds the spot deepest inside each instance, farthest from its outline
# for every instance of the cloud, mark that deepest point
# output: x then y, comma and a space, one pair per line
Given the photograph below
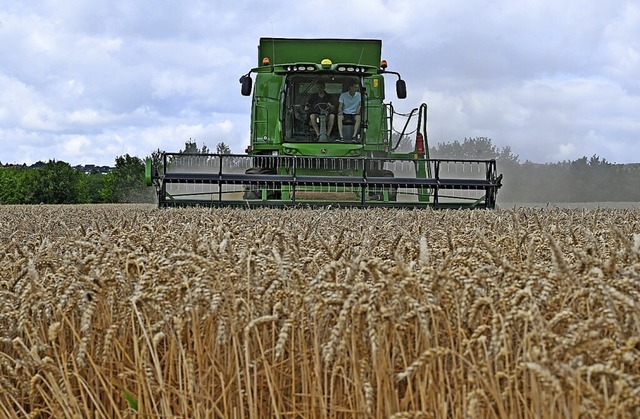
538, 119
621, 49
74, 144
88, 82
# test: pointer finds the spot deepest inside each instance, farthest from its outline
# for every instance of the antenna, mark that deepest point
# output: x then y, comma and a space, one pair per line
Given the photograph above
273, 44
359, 61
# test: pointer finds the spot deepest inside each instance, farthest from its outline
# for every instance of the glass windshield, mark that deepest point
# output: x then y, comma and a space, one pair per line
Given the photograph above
312, 103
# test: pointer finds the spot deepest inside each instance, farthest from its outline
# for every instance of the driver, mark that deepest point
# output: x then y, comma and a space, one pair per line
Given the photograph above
319, 102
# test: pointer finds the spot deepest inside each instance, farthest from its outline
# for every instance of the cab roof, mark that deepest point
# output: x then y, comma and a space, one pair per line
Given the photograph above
366, 52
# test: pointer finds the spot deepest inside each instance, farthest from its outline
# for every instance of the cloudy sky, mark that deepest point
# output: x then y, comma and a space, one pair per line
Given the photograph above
87, 81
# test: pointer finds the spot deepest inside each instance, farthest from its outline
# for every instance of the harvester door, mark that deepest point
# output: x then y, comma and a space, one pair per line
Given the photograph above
298, 93
300, 96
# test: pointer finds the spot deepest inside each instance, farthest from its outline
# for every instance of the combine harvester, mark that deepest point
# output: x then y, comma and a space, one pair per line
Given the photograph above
288, 164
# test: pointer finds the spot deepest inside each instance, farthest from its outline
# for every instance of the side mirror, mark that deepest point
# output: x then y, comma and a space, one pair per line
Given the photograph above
246, 85
401, 89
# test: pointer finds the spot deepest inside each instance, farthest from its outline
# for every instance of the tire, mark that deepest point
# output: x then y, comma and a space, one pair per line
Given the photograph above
254, 192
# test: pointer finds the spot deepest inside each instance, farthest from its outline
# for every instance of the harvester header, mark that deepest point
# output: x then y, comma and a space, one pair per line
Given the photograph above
322, 133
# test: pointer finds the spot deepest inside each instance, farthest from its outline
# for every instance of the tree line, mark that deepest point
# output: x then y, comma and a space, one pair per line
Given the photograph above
57, 182
583, 180
587, 179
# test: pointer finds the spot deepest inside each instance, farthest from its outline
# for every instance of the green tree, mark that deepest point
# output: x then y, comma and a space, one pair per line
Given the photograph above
126, 182
474, 148
91, 187
56, 183
8, 180
222, 148
16, 185
190, 147
157, 160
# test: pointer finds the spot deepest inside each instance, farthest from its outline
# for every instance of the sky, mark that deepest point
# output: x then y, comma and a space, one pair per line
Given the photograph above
85, 82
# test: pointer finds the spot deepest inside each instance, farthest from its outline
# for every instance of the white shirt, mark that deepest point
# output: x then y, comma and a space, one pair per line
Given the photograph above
350, 103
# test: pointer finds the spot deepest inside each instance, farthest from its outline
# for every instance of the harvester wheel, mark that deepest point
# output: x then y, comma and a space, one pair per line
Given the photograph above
254, 192
378, 195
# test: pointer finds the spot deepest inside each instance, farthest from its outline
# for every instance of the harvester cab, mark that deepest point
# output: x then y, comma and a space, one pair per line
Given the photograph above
322, 134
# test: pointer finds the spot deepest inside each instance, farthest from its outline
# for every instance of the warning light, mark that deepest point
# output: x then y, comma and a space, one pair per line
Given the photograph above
383, 64
419, 144
266, 61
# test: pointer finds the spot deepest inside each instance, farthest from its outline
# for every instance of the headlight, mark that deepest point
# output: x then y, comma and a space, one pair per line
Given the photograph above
351, 69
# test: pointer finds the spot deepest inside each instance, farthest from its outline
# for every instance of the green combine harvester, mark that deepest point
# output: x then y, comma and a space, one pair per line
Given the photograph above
311, 152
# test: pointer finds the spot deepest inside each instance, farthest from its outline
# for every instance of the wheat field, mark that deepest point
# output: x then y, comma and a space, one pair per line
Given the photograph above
131, 311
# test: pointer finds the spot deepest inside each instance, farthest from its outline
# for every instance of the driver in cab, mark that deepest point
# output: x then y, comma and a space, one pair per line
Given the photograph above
319, 102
